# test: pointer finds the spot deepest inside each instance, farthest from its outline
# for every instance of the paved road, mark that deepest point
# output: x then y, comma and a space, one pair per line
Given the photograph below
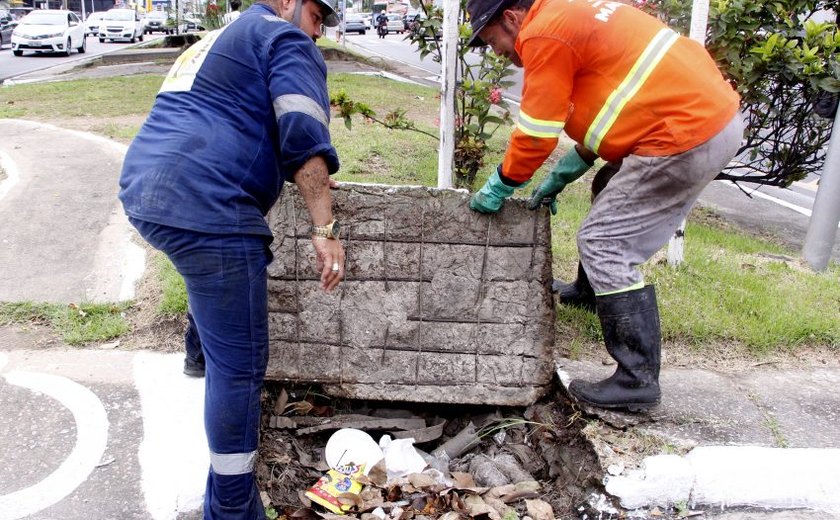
104, 434
11, 66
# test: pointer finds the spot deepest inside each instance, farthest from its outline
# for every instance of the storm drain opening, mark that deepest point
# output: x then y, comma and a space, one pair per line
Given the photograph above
484, 462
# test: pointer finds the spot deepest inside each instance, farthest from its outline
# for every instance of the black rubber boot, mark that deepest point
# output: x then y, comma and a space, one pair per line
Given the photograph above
194, 360
630, 322
193, 368
578, 293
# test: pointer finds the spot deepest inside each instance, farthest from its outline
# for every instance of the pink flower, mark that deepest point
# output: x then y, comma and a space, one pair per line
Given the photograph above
495, 95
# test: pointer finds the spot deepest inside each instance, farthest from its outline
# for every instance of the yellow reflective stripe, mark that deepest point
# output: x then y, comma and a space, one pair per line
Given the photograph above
635, 286
628, 88
539, 127
183, 72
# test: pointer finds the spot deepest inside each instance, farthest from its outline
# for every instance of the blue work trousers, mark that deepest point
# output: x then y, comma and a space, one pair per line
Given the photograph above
227, 285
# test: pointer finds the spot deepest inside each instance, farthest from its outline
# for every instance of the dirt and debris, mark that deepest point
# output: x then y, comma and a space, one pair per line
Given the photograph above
492, 463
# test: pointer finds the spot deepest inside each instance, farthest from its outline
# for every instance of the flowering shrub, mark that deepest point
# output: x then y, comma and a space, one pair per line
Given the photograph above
480, 79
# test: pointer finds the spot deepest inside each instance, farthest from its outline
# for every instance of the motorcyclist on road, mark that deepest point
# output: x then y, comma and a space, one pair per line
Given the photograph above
381, 25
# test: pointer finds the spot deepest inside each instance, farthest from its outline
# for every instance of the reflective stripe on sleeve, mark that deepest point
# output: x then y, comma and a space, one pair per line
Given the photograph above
232, 463
539, 127
299, 103
628, 88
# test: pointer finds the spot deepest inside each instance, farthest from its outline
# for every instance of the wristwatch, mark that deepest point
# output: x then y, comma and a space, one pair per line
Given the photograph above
331, 230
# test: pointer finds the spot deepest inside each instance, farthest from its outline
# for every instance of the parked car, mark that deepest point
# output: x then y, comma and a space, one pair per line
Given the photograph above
49, 30
395, 24
354, 23
7, 25
19, 12
368, 18
121, 25
92, 23
193, 24
159, 21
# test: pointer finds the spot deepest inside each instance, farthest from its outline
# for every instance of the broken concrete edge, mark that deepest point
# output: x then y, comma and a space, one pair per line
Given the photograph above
472, 394
397, 187
724, 476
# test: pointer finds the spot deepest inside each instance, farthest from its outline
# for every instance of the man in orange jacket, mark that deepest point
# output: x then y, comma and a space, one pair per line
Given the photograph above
653, 104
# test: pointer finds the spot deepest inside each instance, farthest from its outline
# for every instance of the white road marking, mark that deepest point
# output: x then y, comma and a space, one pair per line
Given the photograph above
785, 204
174, 457
92, 438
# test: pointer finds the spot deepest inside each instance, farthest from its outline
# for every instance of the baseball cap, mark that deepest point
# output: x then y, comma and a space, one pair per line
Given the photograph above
481, 12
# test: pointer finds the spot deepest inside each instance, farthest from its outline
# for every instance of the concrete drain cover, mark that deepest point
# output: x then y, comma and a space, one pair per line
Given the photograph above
439, 304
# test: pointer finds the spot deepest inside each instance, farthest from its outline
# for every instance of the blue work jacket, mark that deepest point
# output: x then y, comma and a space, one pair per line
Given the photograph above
238, 114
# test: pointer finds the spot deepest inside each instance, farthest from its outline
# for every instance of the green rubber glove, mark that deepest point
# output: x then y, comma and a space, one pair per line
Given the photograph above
492, 195
568, 169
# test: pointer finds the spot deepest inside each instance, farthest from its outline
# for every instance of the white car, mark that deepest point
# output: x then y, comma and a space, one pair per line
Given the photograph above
92, 23
395, 24
49, 30
121, 25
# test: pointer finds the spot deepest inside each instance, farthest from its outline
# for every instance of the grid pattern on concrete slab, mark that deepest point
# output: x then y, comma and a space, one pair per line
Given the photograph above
439, 304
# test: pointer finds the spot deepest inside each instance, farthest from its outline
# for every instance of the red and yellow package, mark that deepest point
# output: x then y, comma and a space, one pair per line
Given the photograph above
330, 489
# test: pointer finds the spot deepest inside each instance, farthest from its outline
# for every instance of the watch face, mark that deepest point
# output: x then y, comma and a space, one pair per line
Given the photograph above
336, 229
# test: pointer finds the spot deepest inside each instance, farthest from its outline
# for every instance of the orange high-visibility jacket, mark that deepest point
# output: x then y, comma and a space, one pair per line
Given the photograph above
616, 80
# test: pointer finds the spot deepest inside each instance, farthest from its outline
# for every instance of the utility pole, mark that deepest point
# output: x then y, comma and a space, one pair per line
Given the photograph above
448, 77
822, 228
699, 22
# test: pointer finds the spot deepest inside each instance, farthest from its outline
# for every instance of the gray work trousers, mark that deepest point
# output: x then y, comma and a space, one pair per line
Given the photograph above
643, 205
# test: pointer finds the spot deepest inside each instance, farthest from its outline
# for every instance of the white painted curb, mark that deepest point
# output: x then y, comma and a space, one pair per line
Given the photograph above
173, 455
729, 476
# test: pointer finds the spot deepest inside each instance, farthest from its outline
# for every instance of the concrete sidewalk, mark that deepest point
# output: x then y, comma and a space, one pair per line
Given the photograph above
65, 236
765, 438
761, 438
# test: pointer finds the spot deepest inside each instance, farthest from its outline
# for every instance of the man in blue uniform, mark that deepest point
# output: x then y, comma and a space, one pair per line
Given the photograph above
239, 113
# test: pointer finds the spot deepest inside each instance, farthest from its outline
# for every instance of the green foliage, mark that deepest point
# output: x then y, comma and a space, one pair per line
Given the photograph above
479, 106
76, 323
100, 97
780, 61
173, 290
371, 152
394, 120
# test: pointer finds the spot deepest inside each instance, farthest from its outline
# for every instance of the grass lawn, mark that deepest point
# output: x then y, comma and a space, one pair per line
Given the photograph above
733, 289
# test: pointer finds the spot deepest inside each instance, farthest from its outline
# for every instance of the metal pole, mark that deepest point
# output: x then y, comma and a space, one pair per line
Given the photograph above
699, 22
822, 228
448, 76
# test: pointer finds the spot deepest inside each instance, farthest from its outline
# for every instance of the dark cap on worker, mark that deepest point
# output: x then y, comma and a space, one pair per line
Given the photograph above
481, 12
